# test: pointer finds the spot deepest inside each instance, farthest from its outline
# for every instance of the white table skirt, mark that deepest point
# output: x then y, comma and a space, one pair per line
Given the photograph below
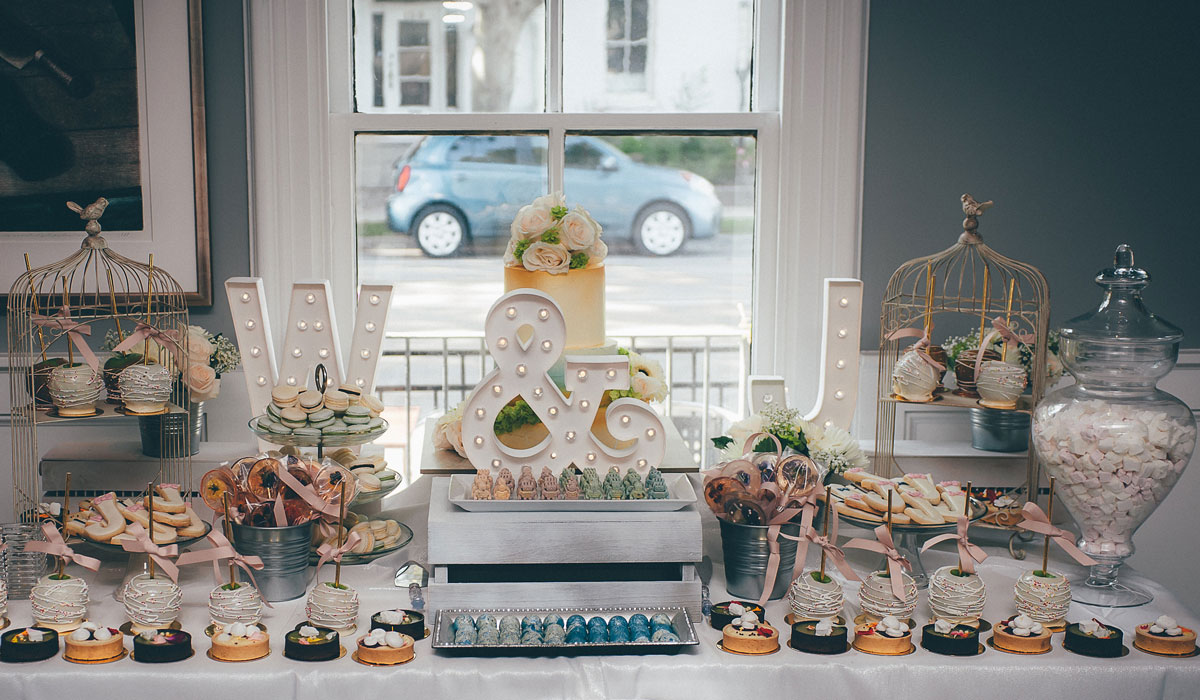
702, 672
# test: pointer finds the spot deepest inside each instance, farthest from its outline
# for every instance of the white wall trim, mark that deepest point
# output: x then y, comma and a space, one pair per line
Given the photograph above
820, 184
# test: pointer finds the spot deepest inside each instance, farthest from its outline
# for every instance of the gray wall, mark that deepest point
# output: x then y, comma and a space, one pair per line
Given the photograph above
1078, 118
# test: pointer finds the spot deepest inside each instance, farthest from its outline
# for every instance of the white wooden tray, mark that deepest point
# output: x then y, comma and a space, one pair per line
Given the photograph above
680, 494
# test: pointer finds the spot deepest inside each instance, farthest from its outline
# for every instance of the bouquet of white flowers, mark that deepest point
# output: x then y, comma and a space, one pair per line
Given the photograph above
549, 237
832, 447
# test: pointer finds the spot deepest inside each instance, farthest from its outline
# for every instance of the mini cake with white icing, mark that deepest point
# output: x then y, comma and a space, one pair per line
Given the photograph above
59, 603
1044, 596
334, 606
955, 597
914, 378
815, 596
878, 601
152, 603
1165, 636
235, 602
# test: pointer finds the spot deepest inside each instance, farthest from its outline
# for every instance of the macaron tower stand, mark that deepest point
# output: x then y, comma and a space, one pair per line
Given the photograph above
972, 283
52, 311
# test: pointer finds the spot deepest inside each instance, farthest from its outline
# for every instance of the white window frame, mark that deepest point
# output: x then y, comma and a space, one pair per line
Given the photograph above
809, 119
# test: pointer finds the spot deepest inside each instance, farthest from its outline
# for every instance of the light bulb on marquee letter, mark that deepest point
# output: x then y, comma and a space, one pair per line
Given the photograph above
522, 363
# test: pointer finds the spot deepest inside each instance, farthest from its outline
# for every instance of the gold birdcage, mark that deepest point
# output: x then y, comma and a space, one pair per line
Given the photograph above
973, 282
56, 312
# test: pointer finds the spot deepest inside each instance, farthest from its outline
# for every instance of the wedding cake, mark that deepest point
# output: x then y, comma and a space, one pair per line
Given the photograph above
560, 252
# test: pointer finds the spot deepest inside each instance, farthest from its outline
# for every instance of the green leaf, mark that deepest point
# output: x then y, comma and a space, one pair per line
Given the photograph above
558, 212
520, 248
579, 260
551, 236
722, 442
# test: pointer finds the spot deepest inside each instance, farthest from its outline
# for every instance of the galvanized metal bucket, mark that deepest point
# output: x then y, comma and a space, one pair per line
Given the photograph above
163, 436
284, 552
747, 549
999, 431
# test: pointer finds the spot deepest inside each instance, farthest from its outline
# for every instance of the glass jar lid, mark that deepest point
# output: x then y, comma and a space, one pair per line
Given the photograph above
1122, 316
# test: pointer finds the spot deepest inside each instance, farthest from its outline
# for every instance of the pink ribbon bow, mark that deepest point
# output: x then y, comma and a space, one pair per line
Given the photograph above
329, 552
308, 493
223, 549
1009, 335
896, 562
167, 339
142, 544
75, 332
921, 346
55, 546
968, 554
806, 506
1036, 521
829, 545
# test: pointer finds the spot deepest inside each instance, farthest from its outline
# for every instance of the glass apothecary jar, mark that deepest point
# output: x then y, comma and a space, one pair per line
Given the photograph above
1114, 441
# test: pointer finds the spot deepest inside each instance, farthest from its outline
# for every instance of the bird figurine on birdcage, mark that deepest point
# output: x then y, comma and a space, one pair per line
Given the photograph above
54, 373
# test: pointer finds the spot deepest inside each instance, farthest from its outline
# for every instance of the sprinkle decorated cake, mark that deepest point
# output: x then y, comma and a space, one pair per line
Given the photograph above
1022, 635
1044, 596
956, 597
94, 643
820, 637
240, 642
1094, 638
815, 598
384, 648
727, 612
162, 646
888, 637
877, 600
28, 644
942, 637
308, 643
747, 635
1165, 636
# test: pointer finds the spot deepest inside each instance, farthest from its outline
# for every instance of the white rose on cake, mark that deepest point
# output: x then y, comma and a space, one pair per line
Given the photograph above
531, 221
648, 388
551, 201
546, 257
598, 252
578, 230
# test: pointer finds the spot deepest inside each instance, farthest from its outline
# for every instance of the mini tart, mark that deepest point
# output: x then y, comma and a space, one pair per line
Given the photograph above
1005, 640
96, 649
413, 626
804, 638
721, 616
164, 646
15, 645
962, 640
868, 640
240, 648
1081, 642
760, 640
324, 646
384, 654
1161, 643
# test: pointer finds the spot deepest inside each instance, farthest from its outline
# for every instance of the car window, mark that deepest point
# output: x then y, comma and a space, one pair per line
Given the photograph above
582, 154
484, 149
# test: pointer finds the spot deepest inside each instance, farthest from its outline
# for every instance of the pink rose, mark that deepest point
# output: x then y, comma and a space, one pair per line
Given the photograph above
578, 230
202, 382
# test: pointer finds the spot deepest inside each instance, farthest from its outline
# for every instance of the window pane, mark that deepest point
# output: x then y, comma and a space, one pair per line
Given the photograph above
482, 56
688, 56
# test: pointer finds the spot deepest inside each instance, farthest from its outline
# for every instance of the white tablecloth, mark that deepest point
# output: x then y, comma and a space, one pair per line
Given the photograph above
702, 672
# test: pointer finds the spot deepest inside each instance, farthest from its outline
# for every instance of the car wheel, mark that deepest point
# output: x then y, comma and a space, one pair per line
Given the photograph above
440, 230
660, 229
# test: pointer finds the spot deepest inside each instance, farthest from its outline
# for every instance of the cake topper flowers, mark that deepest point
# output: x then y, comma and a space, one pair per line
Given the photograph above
549, 237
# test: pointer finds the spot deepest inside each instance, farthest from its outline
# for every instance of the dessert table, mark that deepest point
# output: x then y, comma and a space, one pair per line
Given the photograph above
702, 671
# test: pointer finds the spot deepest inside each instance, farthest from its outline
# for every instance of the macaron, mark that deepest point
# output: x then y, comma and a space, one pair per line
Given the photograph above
293, 417
320, 415
335, 430
280, 429
309, 431
312, 401
350, 390
357, 414
273, 410
375, 423
284, 395
372, 404
264, 422
319, 424
337, 401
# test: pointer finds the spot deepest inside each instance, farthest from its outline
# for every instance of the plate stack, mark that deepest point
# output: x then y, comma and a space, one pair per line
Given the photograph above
21, 569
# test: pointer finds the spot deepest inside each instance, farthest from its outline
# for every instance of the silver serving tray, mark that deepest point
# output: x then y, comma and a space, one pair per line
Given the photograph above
680, 494
443, 631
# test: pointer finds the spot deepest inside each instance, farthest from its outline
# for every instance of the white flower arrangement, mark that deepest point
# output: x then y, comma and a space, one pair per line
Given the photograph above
548, 237
831, 446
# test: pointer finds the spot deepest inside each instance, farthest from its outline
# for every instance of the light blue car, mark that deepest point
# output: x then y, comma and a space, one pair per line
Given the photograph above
451, 189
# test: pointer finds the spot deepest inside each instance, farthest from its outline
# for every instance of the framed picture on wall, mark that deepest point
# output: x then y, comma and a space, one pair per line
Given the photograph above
104, 98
